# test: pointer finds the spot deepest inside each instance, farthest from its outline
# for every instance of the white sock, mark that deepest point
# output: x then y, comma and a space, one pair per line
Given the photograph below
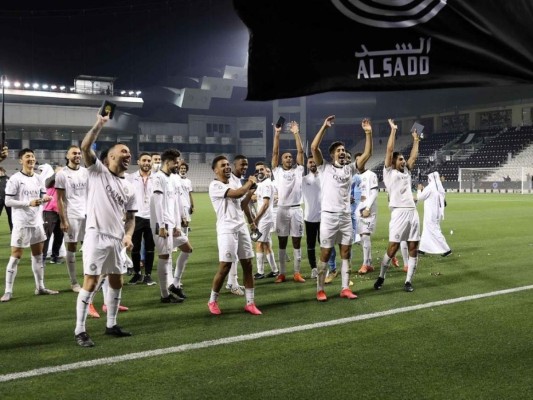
71, 267
99, 284
181, 263
405, 252
367, 250
112, 302
297, 262
322, 269
37, 266
345, 274
249, 293
11, 273
384, 266
411, 268
213, 297
259, 257
272, 262
82, 308
282, 261
163, 274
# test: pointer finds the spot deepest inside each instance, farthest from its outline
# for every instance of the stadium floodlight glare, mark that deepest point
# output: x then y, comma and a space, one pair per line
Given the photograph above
72, 89
27, 85
53, 87
45, 86
138, 93
122, 92
17, 84
62, 87
6, 84
131, 92
35, 86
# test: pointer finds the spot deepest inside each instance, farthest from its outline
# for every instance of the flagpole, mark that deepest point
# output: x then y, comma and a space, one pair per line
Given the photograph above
3, 79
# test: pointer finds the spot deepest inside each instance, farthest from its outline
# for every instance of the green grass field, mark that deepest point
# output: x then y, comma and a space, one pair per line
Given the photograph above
464, 333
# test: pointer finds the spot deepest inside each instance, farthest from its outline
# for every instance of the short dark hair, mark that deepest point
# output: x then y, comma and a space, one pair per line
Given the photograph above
183, 162
334, 145
239, 157
170, 154
103, 154
216, 160
144, 153
24, 151
260, 163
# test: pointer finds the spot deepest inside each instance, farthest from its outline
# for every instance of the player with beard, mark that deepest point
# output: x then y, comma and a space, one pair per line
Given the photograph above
142, 181
405, 222
335, 220
186, 194
111, 207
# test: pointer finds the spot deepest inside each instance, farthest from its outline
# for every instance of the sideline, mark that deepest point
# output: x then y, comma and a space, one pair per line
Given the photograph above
242, 338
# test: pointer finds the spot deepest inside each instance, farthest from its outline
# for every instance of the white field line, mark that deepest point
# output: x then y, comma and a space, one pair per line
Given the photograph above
242, 338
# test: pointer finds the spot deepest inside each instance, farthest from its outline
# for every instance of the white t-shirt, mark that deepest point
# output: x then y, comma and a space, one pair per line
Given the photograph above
186, 188
336, 184
369, 182
143, 192
109, 198
164, 209
289, 185
230, 217
399, 187
24, 189
311, 193
265, 190
74, 182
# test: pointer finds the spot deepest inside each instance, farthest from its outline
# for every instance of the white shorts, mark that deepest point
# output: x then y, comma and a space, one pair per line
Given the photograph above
290, 221
76, 230
335, 228
266, 231
102, 254
163, 245
235, 246
404, 225
274, 218
23, 237
366, 225
179, 240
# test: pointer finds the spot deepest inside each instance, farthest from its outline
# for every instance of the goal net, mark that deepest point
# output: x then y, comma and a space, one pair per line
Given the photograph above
504, 179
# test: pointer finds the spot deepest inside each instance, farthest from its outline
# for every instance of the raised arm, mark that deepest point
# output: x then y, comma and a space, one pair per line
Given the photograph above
275, 147
89, 156
414, 151
360, 162
315, 145
390, 143
295, 129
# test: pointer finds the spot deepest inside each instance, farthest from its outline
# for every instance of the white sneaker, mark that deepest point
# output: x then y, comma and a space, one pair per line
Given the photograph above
6, 297
75, 287
314, 273
237, 289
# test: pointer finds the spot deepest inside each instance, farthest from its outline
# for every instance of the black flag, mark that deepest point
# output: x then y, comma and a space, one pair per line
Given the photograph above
298, 48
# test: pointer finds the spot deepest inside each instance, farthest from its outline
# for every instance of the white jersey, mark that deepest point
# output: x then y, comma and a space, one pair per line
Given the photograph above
230, 217
336, 184
399, 187
186, 189
143, 192
265, 190
368, 186
23, 188
109, 198
74, 182
311, 193
164, 209
289, 184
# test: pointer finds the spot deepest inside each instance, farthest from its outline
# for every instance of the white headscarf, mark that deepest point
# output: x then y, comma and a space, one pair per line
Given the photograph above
46, 171
435, 182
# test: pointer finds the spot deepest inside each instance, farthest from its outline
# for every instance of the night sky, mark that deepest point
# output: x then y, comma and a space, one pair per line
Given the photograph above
142, 43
